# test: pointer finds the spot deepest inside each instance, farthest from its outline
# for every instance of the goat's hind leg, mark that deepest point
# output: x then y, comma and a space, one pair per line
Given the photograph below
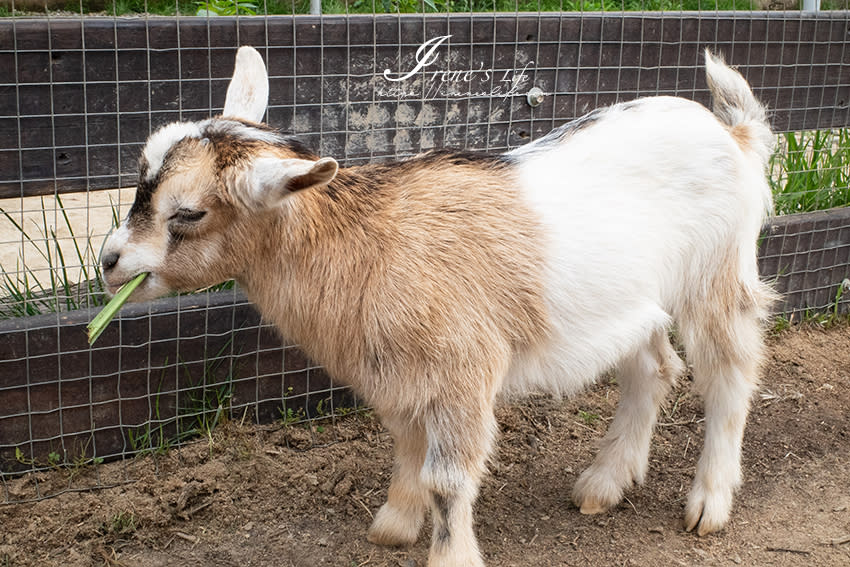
645, 378
725, 348
399, 520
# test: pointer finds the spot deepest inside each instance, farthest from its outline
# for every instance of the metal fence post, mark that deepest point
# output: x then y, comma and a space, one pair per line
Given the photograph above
316, 6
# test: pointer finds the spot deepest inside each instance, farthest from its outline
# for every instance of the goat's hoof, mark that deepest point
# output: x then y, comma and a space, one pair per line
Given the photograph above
393, 527
455, 562
596, 492
707, 512
390, 538
461, 556
592, 506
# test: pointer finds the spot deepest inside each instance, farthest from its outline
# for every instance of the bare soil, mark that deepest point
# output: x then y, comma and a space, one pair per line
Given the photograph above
257, 496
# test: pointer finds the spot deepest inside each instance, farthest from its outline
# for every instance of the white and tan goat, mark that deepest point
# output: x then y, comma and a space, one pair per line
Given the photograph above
435, 284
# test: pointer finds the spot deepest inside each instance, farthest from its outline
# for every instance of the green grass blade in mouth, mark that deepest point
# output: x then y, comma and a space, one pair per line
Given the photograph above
102, 319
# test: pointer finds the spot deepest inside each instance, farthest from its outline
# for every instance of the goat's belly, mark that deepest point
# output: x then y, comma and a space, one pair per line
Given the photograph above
586, 339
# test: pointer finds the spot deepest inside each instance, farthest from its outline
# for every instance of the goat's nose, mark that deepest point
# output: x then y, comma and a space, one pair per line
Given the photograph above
108, 261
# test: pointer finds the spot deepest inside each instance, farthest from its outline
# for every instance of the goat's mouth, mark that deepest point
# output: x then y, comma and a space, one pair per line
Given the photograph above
112, 288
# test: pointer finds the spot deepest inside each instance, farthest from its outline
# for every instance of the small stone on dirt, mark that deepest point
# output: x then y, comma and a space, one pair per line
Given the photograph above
344, 486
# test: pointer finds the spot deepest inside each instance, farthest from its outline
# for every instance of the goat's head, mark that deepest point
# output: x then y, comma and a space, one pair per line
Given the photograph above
203, 186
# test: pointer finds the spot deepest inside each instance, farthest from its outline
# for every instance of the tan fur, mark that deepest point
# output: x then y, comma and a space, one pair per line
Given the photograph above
370, 249
411, 281
715, 313
743, 136
418, 293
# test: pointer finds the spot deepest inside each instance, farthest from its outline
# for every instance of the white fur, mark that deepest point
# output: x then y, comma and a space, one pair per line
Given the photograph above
248, 93
162, 140
266, 178
626, 241
136, 258
630, 249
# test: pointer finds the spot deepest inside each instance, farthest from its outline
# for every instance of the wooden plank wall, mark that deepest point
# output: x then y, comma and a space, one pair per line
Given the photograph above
78, 97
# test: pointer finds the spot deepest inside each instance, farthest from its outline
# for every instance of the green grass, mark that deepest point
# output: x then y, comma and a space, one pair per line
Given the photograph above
120, 524
214, 8
73, 463
24, 291
205, 405
102, 319
589, 418
811, 171
825, 318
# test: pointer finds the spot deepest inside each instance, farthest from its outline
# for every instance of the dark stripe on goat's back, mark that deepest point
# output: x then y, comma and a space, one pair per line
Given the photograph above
571, 128
578, 124
591, 118
298, 148
250, 132
353, 182
372, 179
445, 156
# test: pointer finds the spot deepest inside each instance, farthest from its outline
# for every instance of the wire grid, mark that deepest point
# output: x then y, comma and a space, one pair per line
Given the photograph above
86, 93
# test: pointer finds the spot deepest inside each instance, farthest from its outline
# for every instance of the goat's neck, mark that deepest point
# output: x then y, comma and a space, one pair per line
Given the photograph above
314, 258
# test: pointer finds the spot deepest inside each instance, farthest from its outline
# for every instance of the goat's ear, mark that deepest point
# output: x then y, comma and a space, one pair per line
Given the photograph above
270, 180
248, 93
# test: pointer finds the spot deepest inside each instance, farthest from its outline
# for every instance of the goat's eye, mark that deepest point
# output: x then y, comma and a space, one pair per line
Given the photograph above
183, 222
187, 215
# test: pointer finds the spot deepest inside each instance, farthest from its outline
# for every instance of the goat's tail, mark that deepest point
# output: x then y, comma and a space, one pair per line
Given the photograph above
735, 106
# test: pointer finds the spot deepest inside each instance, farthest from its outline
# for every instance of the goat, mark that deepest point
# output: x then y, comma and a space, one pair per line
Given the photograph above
436, 284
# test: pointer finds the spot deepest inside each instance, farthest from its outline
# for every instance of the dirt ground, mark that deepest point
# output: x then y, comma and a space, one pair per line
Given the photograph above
257, 496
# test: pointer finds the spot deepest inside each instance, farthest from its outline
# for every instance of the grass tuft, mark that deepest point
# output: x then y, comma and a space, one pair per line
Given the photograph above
212, 8
66, 284
811, 171
206, 404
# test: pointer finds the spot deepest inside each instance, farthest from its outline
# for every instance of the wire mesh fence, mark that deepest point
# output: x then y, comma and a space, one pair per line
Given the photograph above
80, 94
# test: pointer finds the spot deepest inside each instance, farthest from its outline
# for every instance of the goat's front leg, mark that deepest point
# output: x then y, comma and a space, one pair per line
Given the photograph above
399, 520
459, 441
